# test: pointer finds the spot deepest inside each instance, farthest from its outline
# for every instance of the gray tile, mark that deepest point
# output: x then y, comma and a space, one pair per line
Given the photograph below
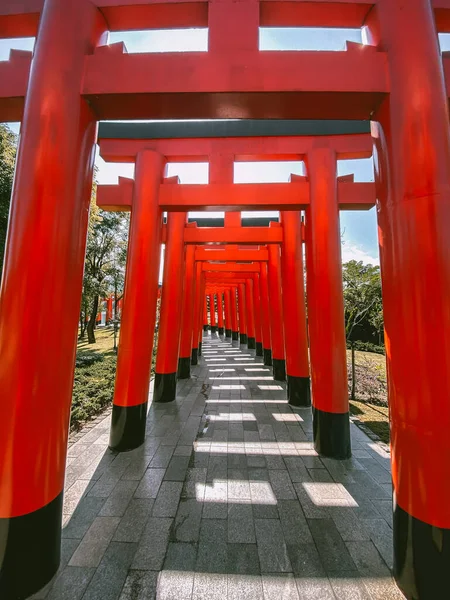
134, 520
213, 530
348, 585
305, 560
116, 504
175, 585
162, 457
281, 485
140, 585
150, 484
351, 528
187, 521
166, 503
272, 548
92, 547
176, 471
280, 587
153, 544
243, 559
212, 557
180, 557
381, 536
247, 587
315, 589
293, 522
195, 480
209, 586
71, 584
111, 574
332, 550
83, 517
241, 528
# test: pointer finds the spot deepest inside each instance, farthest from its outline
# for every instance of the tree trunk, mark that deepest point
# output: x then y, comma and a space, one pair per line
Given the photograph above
352, 396
82, 326
92, 320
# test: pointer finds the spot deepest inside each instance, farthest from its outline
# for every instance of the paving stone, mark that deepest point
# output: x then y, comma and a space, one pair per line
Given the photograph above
116, 504
241, 528
194, 482
176, 471
150, 484
92, 547
243, 559
315, 589
180, 557
71, 583
209, 586
272, 548
140, 585
293, 522
82, 518
188, 520
111, 574
248, 587
213, 530
166, 503
280, 587
212, 557
153, 544
332, 549
348, 524
162, 457
282, 485
134, 520
349, 585
381, 536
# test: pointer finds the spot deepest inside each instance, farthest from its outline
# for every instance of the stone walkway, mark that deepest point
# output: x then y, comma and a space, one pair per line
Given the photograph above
226, 499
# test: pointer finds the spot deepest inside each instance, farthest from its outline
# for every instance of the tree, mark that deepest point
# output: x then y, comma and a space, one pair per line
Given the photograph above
105, 262
363, 306
8, 149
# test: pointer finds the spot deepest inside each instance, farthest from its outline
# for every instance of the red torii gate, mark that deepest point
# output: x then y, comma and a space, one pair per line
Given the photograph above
73, 82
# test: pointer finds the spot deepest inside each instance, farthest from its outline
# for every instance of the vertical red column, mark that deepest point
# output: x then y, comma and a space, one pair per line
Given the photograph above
234, 315
205, 314
169, 332
220, 312
242, 314
294, 312
189, 292
141, 289
228, 322
212, 313
276, 313
109, 309
257, 314
414, 224
265, 314
41, 284
326, 309
196, 321
251, 340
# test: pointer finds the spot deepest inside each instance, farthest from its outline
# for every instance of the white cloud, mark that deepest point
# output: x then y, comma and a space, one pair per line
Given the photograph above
353, 252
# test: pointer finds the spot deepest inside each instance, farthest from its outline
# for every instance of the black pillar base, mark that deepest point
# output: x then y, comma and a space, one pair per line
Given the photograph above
279, 369
194, 356
267, 352
227, 333
213, 329
30, 550
421, 557
220, 330
205, 327
184, 368
331, 433
235, 336
242, 338
298, 391
259, 349
251, 343
199, 348
165, 389
127, 427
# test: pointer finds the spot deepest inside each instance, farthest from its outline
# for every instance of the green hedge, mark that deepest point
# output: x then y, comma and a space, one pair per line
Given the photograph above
367, 347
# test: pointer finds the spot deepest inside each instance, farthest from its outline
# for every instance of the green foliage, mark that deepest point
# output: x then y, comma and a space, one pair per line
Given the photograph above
93, 386
8, 148
367, 347
363, 302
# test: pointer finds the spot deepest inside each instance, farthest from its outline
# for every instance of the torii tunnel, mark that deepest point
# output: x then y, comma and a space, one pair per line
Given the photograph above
245, 281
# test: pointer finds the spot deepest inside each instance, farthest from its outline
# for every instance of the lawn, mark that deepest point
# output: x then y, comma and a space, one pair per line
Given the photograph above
95, 373
370, 406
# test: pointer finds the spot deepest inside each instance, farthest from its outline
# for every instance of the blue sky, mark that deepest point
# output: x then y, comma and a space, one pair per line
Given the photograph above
358, 227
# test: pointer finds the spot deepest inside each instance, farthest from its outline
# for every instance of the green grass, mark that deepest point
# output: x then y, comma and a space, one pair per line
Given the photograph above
95, 372
370, 405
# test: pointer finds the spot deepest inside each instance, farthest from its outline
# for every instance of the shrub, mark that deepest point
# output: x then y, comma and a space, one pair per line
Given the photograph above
367, 347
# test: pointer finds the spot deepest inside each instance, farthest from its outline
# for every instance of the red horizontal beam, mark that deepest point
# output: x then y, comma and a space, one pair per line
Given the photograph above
237, 148
235, 196
233, 235
233, 266
314, 13
231, 255
298, 85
